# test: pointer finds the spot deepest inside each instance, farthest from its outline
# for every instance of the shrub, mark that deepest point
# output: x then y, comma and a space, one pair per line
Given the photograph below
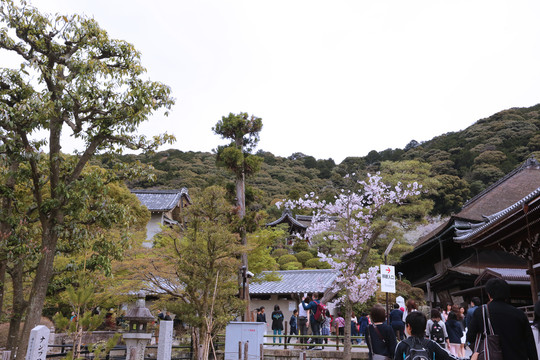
317, 264
284, 259
313, 263
304, 256
324, 265
300, 245
294, 265
279, 252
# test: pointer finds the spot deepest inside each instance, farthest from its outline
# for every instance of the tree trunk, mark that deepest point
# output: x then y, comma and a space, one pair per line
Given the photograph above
5, 227
241, 196
195, 340
3, 266
39, 287
19, 306
241, 204
50, 222
347, 334
206, 344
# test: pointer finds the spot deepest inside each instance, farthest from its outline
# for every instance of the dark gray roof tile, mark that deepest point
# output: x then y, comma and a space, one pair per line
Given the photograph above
161, 200
296, 282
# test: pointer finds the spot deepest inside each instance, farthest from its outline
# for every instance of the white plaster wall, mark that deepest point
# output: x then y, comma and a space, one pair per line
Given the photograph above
152, 228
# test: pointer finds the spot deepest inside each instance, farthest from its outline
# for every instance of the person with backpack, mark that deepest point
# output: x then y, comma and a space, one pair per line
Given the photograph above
436, 329
277, 322
416, 347
315, 324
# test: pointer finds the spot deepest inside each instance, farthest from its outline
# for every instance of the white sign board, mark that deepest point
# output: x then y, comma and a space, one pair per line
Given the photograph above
388, 279
244, 332
38, 343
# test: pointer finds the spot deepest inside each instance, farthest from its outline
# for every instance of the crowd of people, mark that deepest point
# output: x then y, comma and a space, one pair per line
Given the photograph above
453, 332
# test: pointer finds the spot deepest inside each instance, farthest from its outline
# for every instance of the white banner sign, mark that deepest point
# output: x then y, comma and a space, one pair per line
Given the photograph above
388, 279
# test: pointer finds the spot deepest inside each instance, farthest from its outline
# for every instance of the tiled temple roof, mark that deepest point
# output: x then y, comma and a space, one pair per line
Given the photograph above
296, 282
161, 200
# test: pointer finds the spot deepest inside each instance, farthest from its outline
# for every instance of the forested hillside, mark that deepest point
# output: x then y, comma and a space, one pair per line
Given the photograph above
460, 163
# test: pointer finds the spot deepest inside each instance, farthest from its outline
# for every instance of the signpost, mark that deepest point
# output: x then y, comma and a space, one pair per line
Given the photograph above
388, 277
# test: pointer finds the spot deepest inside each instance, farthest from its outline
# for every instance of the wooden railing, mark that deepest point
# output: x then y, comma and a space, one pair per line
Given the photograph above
358, 341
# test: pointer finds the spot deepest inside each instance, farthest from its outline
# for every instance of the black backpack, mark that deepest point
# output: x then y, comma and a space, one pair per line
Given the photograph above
436, 333
417, 349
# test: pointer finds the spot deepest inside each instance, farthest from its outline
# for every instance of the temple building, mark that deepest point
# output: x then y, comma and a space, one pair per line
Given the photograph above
166, 208
452, 262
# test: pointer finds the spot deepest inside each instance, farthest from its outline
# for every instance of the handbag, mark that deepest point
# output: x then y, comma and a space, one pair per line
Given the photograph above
487, 344
374, 356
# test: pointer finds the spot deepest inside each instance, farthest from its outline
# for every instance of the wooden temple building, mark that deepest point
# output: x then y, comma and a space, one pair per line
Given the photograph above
297, 224
494, 234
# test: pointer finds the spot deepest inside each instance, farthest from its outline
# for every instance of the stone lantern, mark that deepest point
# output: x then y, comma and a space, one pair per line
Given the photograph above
137, 336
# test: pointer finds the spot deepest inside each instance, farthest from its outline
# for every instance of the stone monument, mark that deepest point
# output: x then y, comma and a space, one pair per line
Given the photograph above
38, 343
165, 340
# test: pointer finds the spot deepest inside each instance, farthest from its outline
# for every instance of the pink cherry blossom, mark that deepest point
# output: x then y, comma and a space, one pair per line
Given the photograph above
348, 222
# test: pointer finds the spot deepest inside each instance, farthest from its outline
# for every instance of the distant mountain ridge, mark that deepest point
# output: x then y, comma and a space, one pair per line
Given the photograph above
464, 162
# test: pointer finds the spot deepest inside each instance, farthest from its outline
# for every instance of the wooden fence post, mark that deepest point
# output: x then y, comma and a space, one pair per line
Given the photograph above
246, 350
285, 345
239, 350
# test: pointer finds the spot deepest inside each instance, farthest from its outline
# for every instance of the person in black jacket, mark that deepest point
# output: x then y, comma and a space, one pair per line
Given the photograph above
415, 325
277, 322
396, 321
261, 316
380, 337
511, 324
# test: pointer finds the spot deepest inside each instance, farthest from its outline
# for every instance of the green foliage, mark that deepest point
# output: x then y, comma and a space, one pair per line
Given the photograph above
101, 350
61, 323
243, 131
260, 242
277, 253
198, 258
284, 259
73, 81
300, 245
313, 263
303, 257
316, 263
293, 265
460, 156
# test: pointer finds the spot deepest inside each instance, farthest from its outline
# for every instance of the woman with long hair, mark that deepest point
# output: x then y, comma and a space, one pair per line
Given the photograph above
455, 332
277, 322
410, 306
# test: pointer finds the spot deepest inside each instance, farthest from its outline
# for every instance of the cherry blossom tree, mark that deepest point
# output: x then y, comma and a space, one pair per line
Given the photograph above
347, 224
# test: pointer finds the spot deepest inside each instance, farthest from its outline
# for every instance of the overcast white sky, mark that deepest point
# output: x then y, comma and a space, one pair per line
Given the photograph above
331, 78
